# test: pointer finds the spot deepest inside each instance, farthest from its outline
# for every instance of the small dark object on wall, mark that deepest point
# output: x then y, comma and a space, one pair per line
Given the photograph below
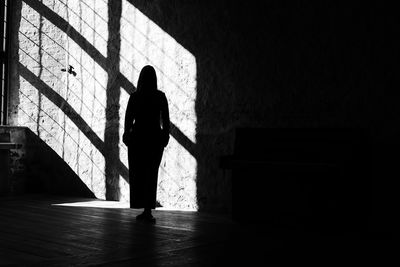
70, 70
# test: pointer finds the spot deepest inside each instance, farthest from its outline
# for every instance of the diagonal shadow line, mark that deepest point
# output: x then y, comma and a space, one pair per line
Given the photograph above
60, 102
61, 23
184, 141
105, 64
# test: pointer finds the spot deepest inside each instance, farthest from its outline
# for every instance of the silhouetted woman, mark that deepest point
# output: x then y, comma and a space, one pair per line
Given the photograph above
146, 134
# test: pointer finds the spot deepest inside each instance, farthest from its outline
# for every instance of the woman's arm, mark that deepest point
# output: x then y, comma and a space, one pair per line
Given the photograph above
165, 120
129, 117
129, 114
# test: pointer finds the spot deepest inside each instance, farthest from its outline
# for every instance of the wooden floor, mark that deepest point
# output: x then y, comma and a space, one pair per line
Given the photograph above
40, 230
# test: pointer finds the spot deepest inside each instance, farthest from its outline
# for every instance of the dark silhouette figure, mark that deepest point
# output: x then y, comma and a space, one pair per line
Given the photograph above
146, 134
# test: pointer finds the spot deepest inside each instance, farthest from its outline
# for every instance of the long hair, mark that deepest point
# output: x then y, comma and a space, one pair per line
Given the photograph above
147, 79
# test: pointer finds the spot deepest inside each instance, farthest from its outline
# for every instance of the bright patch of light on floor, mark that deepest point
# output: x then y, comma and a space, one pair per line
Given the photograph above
105, 204
96, 204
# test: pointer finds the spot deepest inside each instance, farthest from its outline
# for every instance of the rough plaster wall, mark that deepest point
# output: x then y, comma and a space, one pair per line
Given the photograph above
81, 116
55, 105
86, 93
263, 64
202, 30
144, 42
274, 64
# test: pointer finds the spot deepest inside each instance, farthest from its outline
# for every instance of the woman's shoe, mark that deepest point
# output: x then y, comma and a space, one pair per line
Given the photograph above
141, 217
150, 219
146, 217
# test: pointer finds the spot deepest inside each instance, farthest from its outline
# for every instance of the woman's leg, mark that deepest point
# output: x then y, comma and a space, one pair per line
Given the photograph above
152, 159
147, 211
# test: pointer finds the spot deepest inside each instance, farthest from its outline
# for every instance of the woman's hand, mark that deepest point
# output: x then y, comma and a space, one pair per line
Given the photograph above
164, 138
126, 138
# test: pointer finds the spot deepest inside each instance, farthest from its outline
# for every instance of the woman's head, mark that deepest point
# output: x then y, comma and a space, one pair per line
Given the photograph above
147, 79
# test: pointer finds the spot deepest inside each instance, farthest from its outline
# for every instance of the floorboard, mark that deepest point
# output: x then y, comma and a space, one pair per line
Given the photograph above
39, 230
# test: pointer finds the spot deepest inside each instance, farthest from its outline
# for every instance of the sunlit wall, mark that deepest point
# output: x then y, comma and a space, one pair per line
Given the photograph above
67, 107
45, 50
142, 43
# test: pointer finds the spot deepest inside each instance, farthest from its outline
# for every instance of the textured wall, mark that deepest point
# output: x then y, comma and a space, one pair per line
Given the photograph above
58, 108
222, 65
36, 168
274, 64
80, 115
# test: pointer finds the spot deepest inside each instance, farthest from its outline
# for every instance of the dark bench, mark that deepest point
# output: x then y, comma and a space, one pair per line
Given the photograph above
307, 178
